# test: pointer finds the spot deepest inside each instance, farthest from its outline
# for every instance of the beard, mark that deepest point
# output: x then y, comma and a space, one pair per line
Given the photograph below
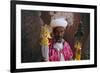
59, 39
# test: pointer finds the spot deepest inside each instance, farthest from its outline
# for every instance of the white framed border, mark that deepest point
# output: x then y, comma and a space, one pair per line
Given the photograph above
20, 65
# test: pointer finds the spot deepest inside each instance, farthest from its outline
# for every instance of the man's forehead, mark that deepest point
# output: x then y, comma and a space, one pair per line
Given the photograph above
58, 29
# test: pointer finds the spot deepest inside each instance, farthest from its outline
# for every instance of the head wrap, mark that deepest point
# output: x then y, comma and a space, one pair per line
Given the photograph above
59, 22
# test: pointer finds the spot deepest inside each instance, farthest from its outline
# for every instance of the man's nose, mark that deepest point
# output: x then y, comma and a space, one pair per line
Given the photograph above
60, 34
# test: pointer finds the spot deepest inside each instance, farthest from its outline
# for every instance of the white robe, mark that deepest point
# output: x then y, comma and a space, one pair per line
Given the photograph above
58, 47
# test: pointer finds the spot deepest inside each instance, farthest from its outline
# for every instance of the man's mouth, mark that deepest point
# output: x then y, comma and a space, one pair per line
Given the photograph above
59, 39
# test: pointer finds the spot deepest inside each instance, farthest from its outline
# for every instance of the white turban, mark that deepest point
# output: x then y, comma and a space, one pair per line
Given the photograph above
58, 22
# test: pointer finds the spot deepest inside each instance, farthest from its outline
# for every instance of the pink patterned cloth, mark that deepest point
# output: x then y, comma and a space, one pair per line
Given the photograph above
54, 54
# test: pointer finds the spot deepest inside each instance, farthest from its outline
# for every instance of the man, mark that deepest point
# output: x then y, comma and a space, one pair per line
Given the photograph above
59, 49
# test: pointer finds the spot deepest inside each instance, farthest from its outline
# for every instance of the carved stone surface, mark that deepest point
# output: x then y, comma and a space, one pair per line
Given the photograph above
30, 31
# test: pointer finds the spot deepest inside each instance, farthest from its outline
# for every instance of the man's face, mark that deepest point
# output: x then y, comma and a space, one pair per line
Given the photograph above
58, 33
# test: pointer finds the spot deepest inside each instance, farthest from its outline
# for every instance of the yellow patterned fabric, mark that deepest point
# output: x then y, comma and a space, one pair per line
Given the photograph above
78, 56
77, 47
45, 35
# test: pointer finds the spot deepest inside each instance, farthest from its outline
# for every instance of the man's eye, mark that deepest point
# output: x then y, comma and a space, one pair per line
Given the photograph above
61, 31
